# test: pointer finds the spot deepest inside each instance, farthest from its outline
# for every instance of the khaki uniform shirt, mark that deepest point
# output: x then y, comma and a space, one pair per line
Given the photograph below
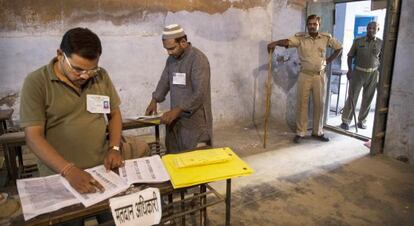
312, 51
76, 134
366, 52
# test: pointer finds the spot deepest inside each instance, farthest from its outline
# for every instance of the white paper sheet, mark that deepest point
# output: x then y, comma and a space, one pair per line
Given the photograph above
112, 183
43, 195
144, 170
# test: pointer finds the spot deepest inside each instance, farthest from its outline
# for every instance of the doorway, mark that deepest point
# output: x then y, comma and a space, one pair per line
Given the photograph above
351, 19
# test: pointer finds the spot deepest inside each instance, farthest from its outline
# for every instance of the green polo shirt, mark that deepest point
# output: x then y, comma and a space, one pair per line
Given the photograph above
78, 135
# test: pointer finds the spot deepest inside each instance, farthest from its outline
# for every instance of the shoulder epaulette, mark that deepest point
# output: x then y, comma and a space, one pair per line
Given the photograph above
300, 34
325, 34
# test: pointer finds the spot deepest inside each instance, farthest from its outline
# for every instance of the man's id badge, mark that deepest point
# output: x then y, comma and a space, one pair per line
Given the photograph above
97, 104
179, 78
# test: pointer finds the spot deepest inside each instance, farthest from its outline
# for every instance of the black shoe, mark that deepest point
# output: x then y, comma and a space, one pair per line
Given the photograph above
321, 137
361, 125
344, 126
297, 139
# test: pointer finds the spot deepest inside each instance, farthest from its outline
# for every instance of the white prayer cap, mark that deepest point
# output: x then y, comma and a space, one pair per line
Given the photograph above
172, 31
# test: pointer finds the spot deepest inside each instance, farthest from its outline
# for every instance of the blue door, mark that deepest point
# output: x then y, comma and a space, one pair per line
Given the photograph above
360, 26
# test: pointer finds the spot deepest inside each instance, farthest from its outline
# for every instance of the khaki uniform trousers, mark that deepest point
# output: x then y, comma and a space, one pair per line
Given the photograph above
308, 83
360, 79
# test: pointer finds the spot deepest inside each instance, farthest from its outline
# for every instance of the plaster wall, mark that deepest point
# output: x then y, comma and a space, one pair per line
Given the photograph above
399, 142
233, 34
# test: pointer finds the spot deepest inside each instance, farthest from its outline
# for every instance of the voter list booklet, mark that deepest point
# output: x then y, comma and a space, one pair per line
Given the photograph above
43, 195
144, 170
112, 183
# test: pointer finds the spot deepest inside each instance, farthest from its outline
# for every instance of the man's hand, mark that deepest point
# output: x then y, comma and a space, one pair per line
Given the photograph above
82, 181
333, 56
169, 116
328, 60
152, 108
113, 159
349, 74
271, 47
282, 42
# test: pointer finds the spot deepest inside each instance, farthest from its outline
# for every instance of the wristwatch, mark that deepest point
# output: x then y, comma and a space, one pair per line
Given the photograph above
116, 148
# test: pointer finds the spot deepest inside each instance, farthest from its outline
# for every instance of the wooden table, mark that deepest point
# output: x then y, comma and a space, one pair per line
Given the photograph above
78, 211
11, 141
190, 201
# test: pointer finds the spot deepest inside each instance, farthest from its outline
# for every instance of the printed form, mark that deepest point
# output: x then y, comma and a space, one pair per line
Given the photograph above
112, 183
43, 195
144, 170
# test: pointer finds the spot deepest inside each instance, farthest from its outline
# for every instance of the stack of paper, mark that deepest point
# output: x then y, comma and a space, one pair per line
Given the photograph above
199, 158
219, 168
150, 118
46, 194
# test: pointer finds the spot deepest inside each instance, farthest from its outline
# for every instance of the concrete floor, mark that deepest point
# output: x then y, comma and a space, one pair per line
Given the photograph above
336, 120
314, 183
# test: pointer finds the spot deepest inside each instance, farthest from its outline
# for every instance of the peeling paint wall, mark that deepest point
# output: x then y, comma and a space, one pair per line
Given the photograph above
232, 33
399, 142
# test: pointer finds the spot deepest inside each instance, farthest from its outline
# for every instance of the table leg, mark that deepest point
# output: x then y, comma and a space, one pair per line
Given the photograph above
157, 138
7, 162
203, 201
182, 193
228, 201
19, 154
171, 208
10, 159
3, 127
157, 133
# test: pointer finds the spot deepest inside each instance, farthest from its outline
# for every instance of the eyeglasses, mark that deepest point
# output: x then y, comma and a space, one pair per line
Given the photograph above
78, 71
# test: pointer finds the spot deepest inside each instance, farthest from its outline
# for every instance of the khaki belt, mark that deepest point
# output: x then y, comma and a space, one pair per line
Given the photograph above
368, 70
312, 72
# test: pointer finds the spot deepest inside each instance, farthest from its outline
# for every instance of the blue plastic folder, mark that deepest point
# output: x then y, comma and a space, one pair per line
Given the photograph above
203, 166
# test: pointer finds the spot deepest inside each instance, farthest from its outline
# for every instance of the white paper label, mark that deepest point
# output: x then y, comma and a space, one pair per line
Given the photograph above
141, 208
179, 79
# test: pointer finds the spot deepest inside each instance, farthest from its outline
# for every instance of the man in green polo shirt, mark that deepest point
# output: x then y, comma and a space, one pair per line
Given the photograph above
63, 109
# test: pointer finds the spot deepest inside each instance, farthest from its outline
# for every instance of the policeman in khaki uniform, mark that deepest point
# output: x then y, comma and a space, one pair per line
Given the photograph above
312, 79
366, 52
